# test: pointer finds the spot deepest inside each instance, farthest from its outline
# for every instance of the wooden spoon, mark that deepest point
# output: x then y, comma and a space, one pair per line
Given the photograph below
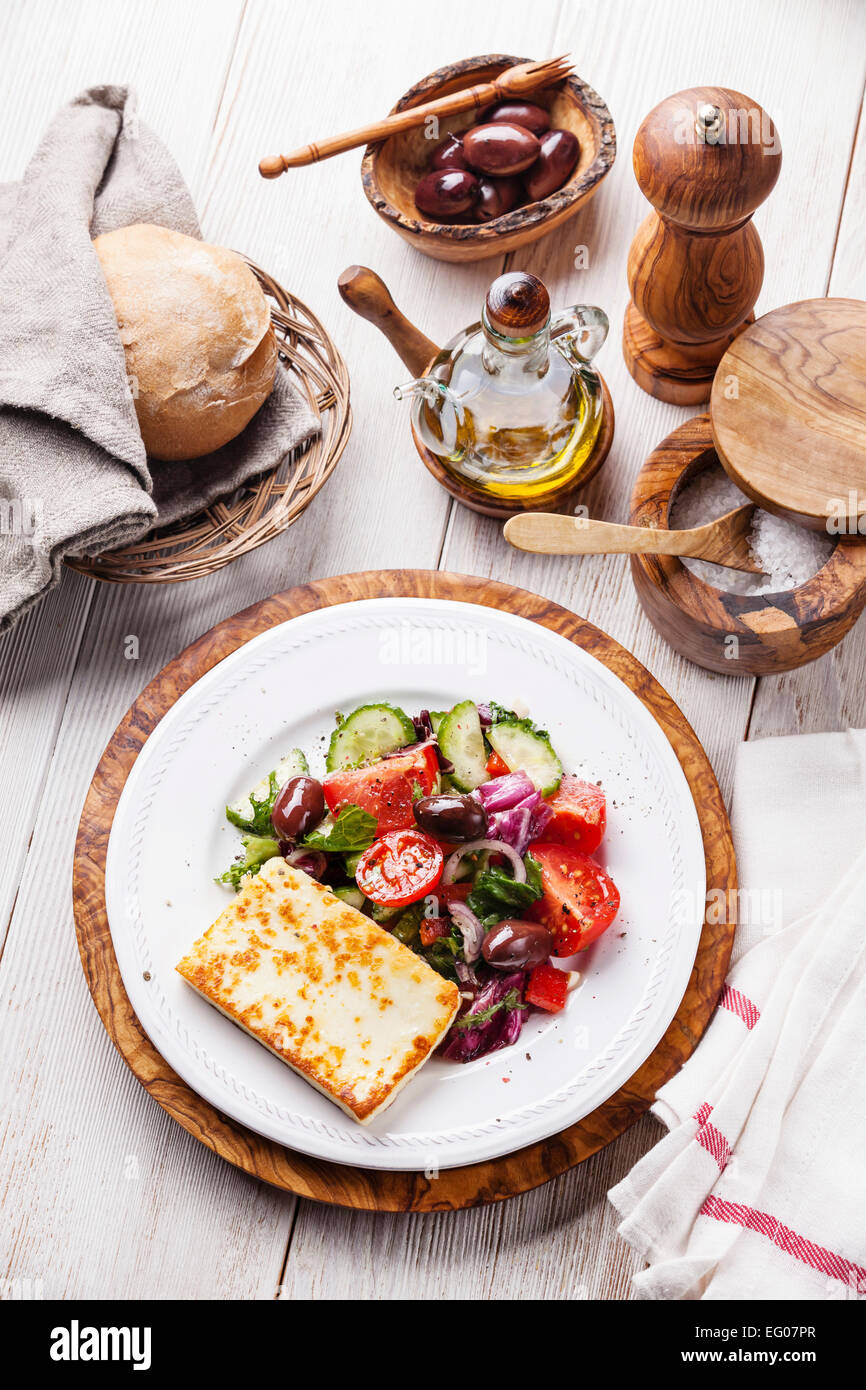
518, 81
724, 541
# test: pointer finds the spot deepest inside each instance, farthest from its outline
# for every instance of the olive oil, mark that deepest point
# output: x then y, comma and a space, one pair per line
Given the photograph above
521, 430
515, 413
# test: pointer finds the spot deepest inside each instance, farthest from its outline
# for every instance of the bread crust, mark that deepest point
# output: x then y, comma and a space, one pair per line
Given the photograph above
196, 330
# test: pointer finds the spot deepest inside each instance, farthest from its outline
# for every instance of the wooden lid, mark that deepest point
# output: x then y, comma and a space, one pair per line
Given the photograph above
517, 304
788, 412
707, 157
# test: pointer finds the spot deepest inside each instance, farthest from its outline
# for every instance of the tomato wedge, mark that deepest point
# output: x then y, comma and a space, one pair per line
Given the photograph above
400, 868
579, 899
386, 789
547, 988
496, 766
455, 892
579, 815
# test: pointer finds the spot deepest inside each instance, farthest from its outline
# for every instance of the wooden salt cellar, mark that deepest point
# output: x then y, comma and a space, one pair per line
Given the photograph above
705, 158
735, 634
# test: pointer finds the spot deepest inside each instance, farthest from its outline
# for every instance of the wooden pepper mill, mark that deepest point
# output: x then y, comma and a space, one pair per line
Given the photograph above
705, 158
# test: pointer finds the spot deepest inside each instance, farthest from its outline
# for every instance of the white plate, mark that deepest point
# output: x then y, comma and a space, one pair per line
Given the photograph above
170, 838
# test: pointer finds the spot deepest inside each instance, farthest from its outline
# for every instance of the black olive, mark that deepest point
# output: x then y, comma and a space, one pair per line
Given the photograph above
299, 806
458, 818
516, 945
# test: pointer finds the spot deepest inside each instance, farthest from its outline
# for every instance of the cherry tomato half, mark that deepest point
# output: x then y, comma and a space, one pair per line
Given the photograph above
400, 868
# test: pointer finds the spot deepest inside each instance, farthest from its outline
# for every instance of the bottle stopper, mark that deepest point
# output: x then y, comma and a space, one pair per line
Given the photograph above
517, 305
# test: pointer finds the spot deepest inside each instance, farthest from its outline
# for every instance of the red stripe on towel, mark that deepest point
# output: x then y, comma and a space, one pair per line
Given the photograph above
711, 1138
825, 1261
740, 1005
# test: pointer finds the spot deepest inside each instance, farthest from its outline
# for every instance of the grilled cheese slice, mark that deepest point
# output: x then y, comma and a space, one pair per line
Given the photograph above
339, 999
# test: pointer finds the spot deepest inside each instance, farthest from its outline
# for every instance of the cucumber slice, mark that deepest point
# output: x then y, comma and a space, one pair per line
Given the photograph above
294, 764
462, 742
353, 896
368, 733
384, 914
436, 717
524, 749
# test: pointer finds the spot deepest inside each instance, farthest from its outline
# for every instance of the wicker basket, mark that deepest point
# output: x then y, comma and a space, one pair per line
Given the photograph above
268, 505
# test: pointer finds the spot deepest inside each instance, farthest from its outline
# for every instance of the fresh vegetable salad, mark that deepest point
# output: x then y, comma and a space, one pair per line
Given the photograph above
457, 831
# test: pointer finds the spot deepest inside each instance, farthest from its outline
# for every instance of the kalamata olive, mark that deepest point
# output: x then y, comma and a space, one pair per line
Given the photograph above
448, 154
496, 197
522, 113
445, 192
514, 945
299, 806
556, 160
499, 148
448, 817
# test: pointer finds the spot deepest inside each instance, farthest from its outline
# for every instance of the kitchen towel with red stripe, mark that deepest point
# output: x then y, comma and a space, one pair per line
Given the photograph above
759, 1189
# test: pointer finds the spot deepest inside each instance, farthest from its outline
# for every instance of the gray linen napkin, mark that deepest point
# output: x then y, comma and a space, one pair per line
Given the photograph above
74, 476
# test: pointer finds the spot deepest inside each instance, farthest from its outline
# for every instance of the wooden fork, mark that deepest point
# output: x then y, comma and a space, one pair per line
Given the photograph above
513, 82
724, 541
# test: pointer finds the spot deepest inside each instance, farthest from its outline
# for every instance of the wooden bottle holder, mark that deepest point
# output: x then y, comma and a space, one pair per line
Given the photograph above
773, 632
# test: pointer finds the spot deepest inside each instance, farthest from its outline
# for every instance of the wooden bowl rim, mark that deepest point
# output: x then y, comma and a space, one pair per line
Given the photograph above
702, 601
521, 219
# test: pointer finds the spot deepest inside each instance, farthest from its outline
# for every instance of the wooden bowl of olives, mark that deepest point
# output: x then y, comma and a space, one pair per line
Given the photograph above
482, 183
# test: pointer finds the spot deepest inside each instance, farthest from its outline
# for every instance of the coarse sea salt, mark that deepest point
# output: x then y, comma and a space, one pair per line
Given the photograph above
788, 554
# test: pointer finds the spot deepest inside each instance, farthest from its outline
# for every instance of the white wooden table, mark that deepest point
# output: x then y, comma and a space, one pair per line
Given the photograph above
102, 1195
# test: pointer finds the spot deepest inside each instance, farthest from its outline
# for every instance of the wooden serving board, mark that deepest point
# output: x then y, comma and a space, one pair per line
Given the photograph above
329, 1182
788, 411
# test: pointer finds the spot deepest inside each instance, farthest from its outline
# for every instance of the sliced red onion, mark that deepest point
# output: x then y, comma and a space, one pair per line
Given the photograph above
501, 793
465, 1042
523, 823
542, 813
465, 975
452, 863
514, 826
470, 929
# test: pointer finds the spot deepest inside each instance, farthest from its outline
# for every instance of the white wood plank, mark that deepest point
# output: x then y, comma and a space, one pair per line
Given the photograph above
563, 1236
848, 278
53, 50
348, 535
110, 1197
831, 693
678, 46
175, 56
189, 1226
557, 1242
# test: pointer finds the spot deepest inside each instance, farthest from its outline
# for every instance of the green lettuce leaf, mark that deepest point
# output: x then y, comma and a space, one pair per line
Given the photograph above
353, 830
258, 849
497, 895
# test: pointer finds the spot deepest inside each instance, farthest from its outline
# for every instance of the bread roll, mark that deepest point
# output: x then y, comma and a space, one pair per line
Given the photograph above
194, 323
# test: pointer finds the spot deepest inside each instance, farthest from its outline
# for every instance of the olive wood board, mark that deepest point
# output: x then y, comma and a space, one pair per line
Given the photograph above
342, 1185
788, 412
